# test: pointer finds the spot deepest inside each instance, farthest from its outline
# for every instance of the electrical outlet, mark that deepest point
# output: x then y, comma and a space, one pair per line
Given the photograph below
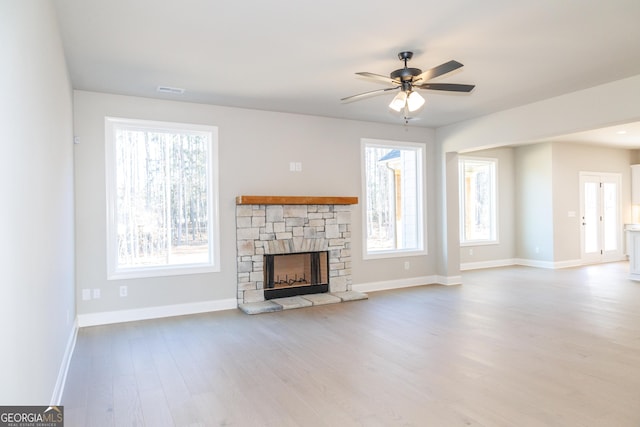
470, 251
86, 294
124, 291
407, 265
96, 293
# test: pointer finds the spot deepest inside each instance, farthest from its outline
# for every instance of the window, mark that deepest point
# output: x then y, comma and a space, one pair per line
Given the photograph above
477, 201
393, 198
162, 198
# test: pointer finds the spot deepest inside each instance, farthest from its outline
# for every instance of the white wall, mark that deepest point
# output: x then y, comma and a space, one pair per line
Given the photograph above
568, 161
534, 202
448, 223
605, 105
36, 189
255, 148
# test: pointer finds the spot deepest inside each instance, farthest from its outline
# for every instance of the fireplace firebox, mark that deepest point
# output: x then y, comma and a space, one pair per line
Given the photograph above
292, 274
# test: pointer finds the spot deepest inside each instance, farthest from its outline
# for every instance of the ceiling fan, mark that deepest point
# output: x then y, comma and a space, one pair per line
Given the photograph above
407, 80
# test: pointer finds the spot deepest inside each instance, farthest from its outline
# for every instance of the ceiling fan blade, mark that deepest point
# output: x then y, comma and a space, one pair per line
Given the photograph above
378, 77
365, 94
448, 87
441, 69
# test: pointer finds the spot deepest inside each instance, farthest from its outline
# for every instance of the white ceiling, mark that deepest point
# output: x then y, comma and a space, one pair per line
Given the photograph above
300, 56
622, 136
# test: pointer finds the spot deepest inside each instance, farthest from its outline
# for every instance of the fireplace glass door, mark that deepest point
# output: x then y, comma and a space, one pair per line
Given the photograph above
296, 274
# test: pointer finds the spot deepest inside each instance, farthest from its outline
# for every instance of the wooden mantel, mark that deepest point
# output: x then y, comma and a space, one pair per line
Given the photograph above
296, 200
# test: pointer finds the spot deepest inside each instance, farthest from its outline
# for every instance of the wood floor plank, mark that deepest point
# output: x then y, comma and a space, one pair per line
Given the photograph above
155, 408
127, 408
511, 346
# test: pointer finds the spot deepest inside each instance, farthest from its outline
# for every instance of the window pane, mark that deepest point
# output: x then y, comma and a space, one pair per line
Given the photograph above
188, 170
591, 244
162, 198
610, 196
393, 197
477, 200
141, 201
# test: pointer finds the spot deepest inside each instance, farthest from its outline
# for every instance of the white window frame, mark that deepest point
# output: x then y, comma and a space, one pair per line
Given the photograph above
493, 240
213, 264
421, 248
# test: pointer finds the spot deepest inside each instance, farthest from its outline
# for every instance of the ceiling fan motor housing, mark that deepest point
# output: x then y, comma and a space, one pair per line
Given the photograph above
405, 74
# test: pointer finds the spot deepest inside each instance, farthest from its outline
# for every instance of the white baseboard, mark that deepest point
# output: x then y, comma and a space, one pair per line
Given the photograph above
406, 283
548, 264
521, 261
487, 264
568, 263
394, 284
109, 317
449, 280
58, 390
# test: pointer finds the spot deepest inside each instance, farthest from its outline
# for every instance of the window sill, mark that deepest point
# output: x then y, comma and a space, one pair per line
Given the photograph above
394, 254
480, 243
140, 273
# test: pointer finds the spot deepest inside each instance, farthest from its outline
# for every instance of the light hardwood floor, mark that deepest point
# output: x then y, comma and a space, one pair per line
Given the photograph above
512, 346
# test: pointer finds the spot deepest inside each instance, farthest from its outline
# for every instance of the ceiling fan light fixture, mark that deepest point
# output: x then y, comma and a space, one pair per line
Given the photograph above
414, 101
398, 103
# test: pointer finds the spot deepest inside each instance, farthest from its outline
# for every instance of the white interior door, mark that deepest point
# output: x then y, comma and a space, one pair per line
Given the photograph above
601, 232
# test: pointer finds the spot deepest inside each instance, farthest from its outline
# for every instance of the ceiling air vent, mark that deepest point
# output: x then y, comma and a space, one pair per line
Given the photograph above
172, 90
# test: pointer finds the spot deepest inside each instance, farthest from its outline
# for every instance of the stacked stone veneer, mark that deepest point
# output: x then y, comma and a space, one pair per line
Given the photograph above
283, 229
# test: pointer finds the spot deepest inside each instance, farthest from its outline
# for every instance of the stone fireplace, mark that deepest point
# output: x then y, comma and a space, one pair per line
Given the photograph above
318, 229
